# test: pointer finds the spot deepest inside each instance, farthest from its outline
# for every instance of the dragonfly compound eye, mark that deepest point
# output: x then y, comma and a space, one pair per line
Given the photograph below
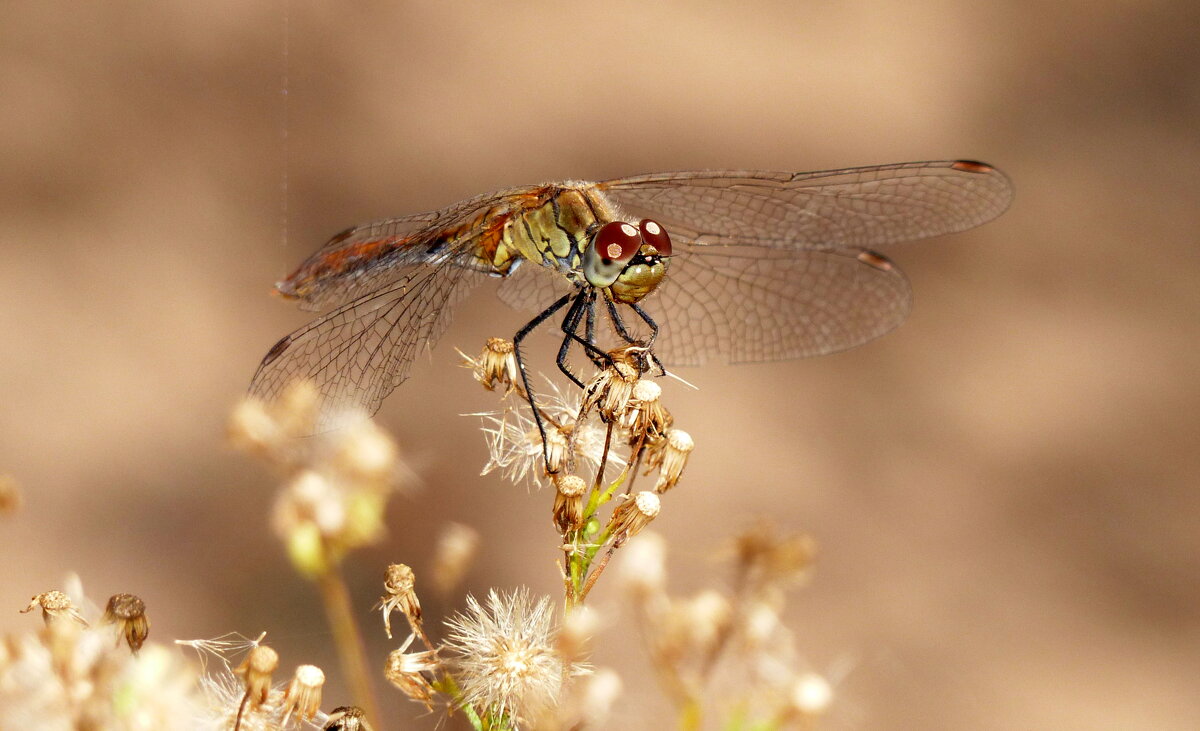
611, 249
653, 234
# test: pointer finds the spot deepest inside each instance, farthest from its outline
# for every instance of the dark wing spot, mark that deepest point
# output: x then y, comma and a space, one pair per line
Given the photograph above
276, 350
874, 259
972, 166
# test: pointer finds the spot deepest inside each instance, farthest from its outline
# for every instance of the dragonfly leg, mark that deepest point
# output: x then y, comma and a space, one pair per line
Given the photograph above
619, 324
585, 303
520, 336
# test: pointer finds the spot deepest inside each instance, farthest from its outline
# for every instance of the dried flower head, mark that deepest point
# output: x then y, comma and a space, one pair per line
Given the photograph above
505, 655
769, 561
304, 693
257, 668
610, 390
452, 556
399, 585
347, 718
497, 365
631, 515
412, 672
646, 418
128, 612
670, 455
568, 503
10, 495
55, 605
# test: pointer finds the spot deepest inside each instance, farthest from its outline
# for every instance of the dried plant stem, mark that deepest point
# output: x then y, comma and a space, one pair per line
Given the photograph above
348, 637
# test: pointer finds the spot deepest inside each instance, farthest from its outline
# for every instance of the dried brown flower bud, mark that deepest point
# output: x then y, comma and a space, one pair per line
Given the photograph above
400, 584
568, 503
304, 693
128, 612
497, 365
10, 495
252, 428
258, 666
770, 560
708, 618
452, 556
366, 453
407, 671
632, 515
670, 456
55, 605
348, 718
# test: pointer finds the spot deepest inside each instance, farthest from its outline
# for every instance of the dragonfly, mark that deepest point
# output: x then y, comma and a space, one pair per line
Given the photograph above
729, 266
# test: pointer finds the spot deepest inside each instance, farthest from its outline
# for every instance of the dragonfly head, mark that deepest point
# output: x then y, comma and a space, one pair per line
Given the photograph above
631, 260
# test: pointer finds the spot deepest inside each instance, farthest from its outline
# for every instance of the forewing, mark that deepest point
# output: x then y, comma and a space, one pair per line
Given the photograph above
358, 353
850, 208
408, 239
747, 304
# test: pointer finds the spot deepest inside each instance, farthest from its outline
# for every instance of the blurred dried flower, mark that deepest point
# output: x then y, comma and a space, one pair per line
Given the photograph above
10, 495
768, 562
643, 566
505, 655
631, 515
128, 612
452, 556
810, 696
304, 693
55, 605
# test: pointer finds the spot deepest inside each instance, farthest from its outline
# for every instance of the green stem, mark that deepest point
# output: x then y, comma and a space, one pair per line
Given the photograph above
348, 638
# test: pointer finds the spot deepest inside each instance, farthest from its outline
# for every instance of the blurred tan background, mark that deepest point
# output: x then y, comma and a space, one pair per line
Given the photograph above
1004, 490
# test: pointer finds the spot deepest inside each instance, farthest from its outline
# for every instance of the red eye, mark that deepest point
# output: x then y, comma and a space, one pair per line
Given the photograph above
654, 234
616, 241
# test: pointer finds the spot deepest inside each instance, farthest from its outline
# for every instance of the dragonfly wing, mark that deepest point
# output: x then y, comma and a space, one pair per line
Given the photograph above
854, 207
748, 304
531, 288
358, 353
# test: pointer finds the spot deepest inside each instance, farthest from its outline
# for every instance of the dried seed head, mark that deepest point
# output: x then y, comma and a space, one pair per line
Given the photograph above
258, 666
55, 605
505, 655
304, 693
10, 495
453, 555
568, 503
811, 695
558, 451
410, 673
643, 567
599, 695
632, 515
670, 457
128, 612
347, 718
646, 418
399, 583
610, 390
497, 365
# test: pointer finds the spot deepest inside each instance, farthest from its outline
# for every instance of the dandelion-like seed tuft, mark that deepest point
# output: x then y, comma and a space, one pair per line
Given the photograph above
505, 655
